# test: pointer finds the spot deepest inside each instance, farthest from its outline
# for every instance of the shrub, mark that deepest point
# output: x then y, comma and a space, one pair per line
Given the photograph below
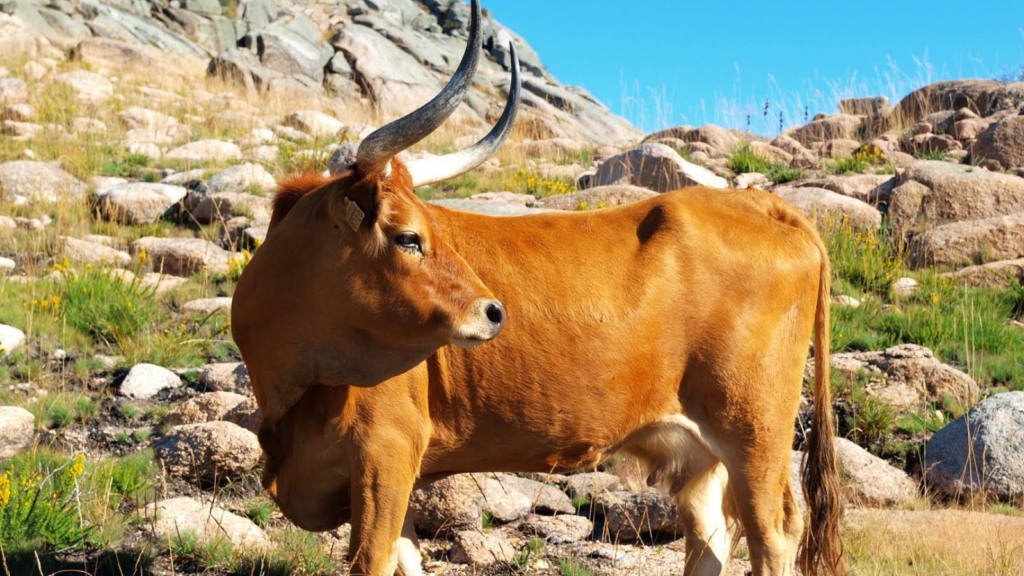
743, 160
863, 258
98, 302
39, 503
853, 164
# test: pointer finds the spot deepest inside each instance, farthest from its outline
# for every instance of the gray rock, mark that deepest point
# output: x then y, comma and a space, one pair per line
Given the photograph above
38, 182
144, 118
844, 126
138, 202
20, 130
87, 86
598, 197
930, 193
870, 188
1002, 142
481, 549
204, 151
226, 376
395, 80
18, 112
1002, 274
208, 407
92, 253
869, 480
316, 124
905, 286
828, 207
980, 452
630, 515
184, 256
562, 529
656, 167
543, 498
589, 485
503, 502
144, 381
105, 53
87, 126
17, 430
908, 374
13, 90
448, 505
246, 414
208, 305
246, 177
495, 207
343, 158
208, 452
969, 242
11, 339
721, 142
169, 519
288, 47
222, 206
15, 37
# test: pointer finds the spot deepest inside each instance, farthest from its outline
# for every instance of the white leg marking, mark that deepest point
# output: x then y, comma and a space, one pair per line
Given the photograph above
407, 549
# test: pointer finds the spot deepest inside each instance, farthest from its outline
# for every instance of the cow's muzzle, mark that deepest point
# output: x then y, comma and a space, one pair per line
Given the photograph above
483, 321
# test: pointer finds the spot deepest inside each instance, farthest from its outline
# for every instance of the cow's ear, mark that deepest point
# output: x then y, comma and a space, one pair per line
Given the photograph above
358, 205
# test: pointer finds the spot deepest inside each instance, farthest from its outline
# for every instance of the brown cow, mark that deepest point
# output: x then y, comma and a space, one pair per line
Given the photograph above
674, 329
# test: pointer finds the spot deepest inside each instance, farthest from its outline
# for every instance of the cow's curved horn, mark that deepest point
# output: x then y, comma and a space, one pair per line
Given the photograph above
377, 149
431, 170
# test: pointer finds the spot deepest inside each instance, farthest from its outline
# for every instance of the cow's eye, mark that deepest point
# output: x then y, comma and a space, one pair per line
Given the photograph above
409, 241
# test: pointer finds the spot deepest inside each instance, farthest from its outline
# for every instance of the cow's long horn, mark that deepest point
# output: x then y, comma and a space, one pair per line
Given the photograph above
431, 170
377, 149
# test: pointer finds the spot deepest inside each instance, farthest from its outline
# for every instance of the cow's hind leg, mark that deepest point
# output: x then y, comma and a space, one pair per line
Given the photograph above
766, 505
711, 530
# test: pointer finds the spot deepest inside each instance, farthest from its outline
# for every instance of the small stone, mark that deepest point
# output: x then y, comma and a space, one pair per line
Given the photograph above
208, 305
145, 381
480, 549
17, 430
205, 150
210, 452
562, 529
207, 407
226, 376
845, 301
11, 339
169, 519
905, 286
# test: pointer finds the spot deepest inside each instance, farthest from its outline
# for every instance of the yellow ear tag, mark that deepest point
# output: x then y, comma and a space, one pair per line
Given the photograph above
353, 214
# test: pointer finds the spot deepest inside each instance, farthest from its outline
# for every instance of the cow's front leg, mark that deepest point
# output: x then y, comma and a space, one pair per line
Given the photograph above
380, 501
410, 562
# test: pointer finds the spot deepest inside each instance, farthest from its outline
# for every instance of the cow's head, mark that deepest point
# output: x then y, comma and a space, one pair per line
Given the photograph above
355, 279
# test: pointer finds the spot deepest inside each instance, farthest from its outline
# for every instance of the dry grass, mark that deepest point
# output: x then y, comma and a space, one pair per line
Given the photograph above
934, 543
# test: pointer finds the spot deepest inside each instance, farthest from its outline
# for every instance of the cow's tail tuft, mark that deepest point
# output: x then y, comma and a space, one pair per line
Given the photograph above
821, 550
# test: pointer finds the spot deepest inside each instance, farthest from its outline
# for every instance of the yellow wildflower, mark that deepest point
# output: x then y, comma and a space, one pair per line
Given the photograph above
78, 466
5, 488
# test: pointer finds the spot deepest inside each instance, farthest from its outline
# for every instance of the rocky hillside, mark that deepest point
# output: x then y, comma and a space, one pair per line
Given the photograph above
392, 54
139, 146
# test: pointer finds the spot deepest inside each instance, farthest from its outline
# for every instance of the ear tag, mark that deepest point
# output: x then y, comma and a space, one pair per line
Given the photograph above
353, 215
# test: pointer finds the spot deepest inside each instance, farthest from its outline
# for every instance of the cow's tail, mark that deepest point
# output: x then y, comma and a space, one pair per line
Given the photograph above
821, 551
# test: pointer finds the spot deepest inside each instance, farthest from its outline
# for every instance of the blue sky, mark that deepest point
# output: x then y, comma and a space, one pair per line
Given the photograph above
672, 62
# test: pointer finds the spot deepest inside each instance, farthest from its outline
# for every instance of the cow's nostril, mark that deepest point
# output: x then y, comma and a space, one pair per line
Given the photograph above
495, 313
